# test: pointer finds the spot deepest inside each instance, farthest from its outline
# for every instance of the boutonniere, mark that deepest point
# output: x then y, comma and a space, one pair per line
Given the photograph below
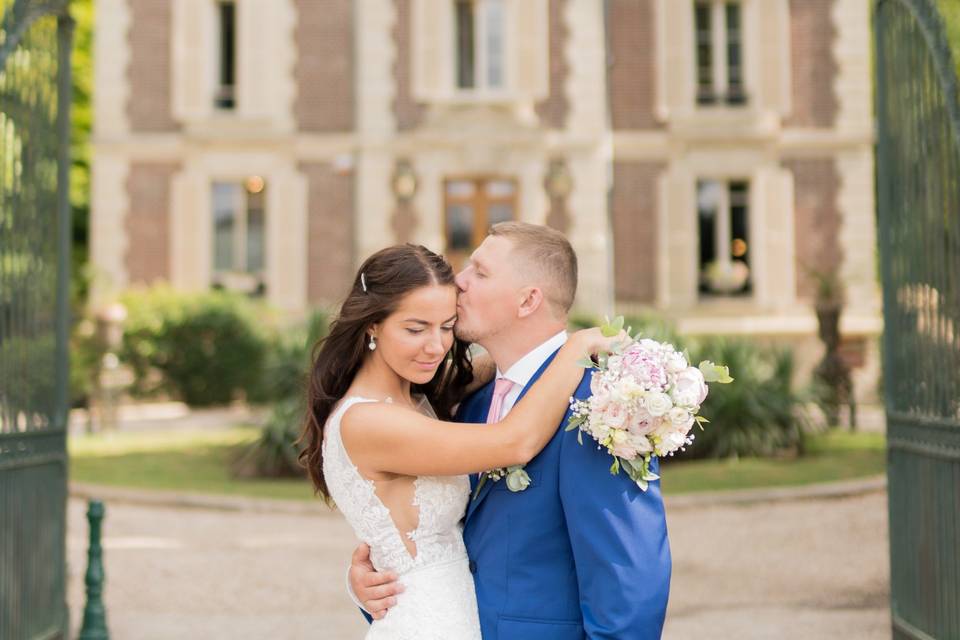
517, 478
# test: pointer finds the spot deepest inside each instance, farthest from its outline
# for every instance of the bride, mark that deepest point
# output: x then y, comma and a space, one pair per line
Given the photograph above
379, 441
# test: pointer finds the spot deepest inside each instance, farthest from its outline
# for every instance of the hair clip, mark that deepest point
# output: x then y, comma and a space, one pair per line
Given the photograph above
363, 282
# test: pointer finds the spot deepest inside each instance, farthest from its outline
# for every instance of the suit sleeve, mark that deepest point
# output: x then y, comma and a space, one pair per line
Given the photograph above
619, 538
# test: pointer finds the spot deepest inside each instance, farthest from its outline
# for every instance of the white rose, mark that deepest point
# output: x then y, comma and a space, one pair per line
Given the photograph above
598, 429
671, 442
657, 403
641, 444
680, 418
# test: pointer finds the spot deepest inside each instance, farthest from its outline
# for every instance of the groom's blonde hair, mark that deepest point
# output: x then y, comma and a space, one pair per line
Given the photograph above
548, 261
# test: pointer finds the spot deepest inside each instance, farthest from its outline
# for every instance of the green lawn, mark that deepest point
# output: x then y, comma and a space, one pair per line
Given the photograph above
833, 456
198, 462
177, 461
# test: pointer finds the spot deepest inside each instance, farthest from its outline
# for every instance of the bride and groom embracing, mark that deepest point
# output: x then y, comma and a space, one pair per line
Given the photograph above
410, 436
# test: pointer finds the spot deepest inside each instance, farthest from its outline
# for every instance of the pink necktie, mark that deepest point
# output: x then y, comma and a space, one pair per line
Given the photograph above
500, 391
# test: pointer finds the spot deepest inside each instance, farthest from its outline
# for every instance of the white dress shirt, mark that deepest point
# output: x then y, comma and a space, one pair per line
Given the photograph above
524, 368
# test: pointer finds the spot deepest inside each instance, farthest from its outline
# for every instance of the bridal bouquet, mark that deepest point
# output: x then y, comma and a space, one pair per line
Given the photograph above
645, 400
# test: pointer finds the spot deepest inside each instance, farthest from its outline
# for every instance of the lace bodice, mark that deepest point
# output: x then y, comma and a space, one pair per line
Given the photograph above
442, 502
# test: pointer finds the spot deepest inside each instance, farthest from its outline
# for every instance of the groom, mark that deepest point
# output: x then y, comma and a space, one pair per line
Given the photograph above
580, 553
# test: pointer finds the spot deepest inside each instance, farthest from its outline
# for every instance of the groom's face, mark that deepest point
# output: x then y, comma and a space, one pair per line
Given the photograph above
489, 291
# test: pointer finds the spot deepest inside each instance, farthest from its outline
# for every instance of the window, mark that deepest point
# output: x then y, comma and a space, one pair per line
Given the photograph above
472, 206
719, 52
239, 242
224, 96
723, 217
480, 32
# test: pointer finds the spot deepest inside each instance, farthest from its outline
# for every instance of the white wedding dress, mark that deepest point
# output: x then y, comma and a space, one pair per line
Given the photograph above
439, 601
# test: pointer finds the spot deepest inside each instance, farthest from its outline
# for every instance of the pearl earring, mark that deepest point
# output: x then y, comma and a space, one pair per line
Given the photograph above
373, 343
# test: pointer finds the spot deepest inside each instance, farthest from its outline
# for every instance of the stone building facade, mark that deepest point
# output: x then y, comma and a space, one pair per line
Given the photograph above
704, 156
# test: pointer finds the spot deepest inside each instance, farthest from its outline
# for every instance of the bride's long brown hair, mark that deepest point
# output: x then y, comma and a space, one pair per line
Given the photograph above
379, 286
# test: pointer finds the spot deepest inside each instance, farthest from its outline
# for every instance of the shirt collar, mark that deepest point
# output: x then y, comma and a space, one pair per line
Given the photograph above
524, 368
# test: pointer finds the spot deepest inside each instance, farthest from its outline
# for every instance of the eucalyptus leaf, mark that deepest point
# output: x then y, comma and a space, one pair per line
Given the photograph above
715, 372
610, 329
482, 481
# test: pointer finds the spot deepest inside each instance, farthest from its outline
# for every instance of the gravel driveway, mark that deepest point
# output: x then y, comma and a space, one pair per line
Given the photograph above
790, 570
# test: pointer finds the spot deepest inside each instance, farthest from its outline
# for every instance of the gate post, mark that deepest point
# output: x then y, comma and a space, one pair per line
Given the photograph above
94, 614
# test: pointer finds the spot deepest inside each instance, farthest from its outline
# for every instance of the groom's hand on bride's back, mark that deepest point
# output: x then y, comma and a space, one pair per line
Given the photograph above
376, 591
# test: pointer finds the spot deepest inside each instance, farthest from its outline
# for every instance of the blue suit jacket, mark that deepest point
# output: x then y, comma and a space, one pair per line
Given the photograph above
579, 554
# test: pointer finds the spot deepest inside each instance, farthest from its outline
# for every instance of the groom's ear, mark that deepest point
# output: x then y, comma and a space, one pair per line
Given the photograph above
531, 300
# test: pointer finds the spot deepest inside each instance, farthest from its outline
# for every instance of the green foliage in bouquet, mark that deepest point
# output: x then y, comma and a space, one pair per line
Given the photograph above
203, 348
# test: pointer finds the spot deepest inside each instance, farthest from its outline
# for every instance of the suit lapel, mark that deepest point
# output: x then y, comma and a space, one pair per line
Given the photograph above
488, 485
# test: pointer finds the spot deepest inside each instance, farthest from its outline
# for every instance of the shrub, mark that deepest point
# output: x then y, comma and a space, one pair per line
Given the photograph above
288, 359
759, 414
86, 355
204, 348
274, 453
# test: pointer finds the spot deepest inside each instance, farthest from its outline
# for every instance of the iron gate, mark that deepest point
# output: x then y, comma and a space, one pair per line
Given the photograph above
35, 44
918, 185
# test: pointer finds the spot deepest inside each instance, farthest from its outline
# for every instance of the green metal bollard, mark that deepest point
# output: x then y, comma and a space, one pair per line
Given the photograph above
94, 614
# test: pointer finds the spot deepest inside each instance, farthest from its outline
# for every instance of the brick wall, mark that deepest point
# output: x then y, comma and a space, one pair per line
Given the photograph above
325, 66
554, 109
817, 219
330, 232
149, 107
635, 230
147, 224
812, 35
632, 73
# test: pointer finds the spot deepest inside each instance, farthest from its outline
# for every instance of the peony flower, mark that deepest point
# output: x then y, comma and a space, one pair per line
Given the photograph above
690, 389
614, 415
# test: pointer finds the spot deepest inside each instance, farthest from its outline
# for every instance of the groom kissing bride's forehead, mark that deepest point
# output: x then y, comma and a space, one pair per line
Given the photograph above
576, 552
